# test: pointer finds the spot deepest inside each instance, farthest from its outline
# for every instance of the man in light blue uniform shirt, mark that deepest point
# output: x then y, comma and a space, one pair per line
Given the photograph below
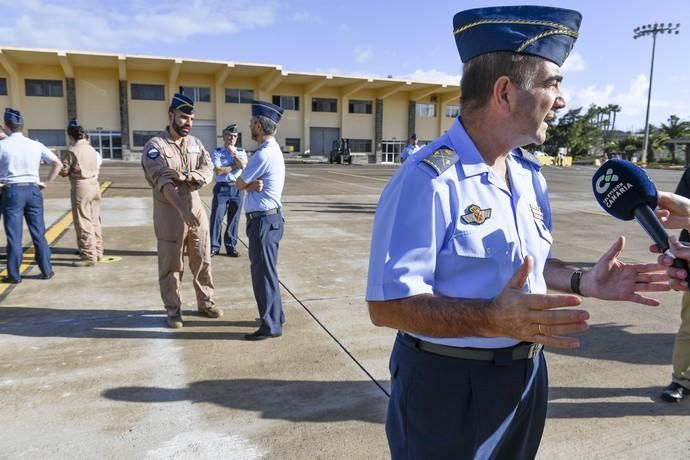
20, 161
263, 179
228, 163
410, 149
465, 282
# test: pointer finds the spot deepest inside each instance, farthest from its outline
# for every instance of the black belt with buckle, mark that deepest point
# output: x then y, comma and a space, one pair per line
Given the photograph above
520, 351
255, 214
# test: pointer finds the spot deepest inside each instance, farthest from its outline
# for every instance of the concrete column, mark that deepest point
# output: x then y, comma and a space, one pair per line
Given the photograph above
71, 98
124, 121
411, 118
378, 131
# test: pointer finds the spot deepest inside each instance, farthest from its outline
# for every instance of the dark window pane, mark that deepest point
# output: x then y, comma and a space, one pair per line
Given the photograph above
292, 144
360, 145
356, 106
239, 96
3, 86
324, 105
49, 137
198, 94
140, 138
44, 88
287, 102
145, 92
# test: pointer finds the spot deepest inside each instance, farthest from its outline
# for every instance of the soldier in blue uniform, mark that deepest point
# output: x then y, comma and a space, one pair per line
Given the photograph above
465, 284
20, 160
263, 179
228, 163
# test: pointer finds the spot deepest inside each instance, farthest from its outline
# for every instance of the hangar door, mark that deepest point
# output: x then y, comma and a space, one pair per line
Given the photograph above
321, 140
205, 130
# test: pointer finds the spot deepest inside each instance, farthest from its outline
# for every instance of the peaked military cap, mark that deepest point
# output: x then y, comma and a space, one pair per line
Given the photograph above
266, 109
182, 103
541, 31
231, 128
73, 123
13, 116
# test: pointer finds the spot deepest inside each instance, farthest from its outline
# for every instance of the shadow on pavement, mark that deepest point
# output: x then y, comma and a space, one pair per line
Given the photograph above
291, 400
611, 342
593, 403
114, 324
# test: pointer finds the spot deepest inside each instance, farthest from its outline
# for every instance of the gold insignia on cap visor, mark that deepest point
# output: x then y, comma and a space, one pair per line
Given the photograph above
183, 103
476, 215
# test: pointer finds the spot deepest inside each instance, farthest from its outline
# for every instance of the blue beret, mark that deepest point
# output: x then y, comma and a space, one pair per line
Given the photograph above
73, 123
13, 116
542, 31
231, 128
182, 103
266, 109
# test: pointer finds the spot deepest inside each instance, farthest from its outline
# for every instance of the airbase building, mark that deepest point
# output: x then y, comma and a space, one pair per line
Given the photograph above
122, 100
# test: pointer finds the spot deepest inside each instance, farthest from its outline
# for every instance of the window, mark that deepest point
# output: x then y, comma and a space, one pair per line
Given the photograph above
197, 93
360, 145
140, 138
145, 92
426, 110
49, 137
452, 111
108, 142
292, 144
239, 96
44, 88
3, 86
356, 106
287, 102
319, 104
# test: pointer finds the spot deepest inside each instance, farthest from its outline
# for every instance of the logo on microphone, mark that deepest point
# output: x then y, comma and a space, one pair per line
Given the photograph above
604, 182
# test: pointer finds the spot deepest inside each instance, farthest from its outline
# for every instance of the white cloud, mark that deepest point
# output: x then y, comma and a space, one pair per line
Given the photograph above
574, 63
633, 102
432, 76
49, 24
363, 54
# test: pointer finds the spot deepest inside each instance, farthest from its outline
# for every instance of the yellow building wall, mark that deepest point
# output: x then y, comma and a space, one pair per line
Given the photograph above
395, 117
147, 115
359, 125
236, 113
5, 100
98, 98
446, 122
426, 128
325, 119
43, 112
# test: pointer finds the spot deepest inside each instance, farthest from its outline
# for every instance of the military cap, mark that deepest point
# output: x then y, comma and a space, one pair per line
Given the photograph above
13, 116
413, 136
182, 103
231, 128
73, 123
266, 109
541, 31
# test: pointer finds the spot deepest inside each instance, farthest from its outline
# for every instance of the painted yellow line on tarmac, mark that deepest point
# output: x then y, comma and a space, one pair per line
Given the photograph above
357, 175
52, 234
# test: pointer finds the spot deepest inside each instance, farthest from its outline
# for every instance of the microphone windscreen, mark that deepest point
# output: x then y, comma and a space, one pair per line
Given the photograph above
621, 186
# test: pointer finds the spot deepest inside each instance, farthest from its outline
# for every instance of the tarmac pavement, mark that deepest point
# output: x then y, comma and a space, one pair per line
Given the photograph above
89, 370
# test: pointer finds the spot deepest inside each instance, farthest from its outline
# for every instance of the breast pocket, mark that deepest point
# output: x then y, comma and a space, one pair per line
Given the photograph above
482, 259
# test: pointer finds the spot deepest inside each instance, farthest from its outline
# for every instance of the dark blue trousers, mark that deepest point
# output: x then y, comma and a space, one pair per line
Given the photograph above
264, 235
449, 408
18, 203
227, 200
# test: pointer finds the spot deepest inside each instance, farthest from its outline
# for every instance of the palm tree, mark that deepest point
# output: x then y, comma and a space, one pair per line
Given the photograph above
675, 129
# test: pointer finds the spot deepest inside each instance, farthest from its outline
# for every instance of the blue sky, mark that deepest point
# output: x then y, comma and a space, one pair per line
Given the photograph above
405, 39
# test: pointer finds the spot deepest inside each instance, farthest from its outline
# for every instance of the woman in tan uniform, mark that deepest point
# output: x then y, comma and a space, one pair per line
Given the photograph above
81, 164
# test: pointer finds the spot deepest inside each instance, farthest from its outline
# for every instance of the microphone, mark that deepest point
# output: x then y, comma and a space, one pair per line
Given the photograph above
625, 191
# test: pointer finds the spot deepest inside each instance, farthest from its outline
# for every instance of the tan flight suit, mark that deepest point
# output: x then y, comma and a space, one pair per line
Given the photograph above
80, 163
162, 161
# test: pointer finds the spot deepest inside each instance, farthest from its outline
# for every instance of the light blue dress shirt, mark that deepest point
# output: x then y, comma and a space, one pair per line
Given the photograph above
266, 164
408, 151
222, 159
20, 159
427, 241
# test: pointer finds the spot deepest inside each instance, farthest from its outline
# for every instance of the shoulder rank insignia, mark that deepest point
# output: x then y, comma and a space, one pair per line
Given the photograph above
152, 153
441, 160
476, 215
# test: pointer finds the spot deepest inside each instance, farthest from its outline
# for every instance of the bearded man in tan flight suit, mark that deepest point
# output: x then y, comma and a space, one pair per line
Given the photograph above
81, 164
176, 166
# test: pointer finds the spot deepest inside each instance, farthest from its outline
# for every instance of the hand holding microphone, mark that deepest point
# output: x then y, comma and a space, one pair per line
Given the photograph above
625, 191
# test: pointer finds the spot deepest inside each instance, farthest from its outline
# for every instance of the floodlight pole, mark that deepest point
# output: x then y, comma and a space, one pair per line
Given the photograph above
652, 30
